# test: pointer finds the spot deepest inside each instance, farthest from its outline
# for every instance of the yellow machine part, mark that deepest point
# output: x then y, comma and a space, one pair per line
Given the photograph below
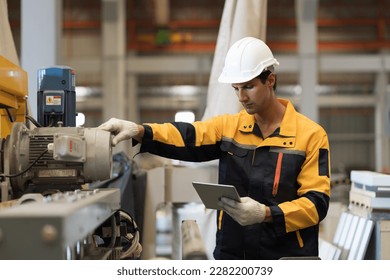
13, 93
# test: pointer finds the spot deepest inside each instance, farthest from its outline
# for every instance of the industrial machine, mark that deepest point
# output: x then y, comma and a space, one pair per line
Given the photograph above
45, 168
44, 158
13, 92
54, 154
56, 96
78, 225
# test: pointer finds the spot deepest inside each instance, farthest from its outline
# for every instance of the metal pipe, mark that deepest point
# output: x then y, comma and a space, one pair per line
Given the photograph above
192, 243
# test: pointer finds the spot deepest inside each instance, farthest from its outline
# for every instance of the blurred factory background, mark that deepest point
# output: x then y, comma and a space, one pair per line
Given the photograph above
149, 60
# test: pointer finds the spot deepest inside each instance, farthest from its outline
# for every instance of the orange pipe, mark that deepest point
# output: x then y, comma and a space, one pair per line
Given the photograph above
81, 24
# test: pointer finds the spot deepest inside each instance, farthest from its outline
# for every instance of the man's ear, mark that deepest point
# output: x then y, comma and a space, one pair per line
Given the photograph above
271, 79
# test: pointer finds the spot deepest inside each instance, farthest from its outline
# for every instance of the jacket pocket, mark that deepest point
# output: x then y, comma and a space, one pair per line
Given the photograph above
233, 150
234, 166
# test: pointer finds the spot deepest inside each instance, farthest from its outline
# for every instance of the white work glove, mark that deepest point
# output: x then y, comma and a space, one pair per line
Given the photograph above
247, 212
122, 130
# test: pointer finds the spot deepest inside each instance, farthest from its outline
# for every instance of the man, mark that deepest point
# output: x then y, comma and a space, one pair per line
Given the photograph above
277, 159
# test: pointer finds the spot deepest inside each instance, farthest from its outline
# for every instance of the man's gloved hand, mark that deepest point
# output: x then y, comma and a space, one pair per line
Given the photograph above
122, 130
247, 212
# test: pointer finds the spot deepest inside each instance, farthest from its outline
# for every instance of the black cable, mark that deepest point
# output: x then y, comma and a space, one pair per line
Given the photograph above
11, 119
27, 169
31, 119
51, 120
27, 115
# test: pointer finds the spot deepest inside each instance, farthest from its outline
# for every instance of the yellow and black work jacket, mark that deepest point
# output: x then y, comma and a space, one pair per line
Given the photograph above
287, 171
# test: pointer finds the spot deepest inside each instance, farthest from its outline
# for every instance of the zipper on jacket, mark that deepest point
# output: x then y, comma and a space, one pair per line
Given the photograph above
220, 220
299, 237
277, 175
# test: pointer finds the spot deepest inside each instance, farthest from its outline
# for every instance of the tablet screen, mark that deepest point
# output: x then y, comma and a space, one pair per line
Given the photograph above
211, 193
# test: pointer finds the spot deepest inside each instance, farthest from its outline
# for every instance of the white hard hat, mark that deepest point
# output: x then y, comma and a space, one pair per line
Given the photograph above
245, 60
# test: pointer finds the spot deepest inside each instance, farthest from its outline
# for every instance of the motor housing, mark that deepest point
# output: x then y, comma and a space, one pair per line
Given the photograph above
55, 157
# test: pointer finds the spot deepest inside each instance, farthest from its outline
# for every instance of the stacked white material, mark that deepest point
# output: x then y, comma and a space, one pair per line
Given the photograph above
370, 189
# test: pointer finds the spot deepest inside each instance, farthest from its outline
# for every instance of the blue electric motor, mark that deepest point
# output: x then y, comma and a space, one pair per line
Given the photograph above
56, 97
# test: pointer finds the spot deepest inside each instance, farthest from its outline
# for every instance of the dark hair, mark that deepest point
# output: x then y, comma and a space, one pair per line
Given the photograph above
264, 76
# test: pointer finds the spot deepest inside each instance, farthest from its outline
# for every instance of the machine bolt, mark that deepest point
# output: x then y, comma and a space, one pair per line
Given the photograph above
49, 234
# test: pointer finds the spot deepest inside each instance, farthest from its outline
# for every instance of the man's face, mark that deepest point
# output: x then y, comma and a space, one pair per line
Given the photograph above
254, 95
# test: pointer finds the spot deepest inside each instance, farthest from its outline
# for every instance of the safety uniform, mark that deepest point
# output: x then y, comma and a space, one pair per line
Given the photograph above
287, 171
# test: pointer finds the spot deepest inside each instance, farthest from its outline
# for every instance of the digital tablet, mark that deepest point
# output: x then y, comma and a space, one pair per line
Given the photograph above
211, 193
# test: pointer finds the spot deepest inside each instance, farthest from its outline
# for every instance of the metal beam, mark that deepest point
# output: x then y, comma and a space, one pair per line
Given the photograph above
306, 14
40, 36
